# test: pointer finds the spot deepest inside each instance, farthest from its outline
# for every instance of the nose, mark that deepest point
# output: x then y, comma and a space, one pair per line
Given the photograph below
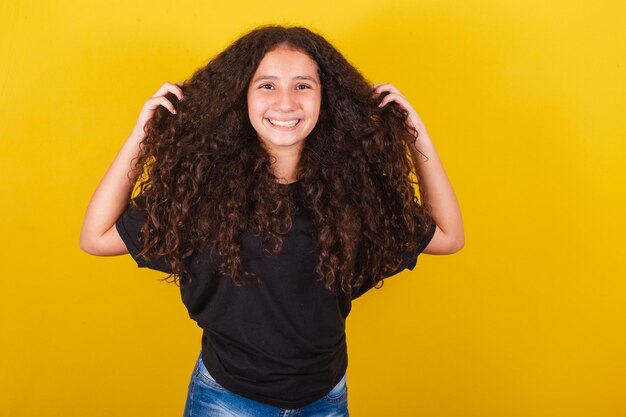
285, 101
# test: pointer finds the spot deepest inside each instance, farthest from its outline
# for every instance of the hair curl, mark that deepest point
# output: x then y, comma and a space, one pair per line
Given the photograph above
206, 177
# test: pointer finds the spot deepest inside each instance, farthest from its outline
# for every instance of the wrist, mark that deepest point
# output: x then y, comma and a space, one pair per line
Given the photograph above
137, 134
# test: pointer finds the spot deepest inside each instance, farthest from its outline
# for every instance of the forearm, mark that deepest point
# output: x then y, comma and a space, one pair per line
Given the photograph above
111, 196
436, 189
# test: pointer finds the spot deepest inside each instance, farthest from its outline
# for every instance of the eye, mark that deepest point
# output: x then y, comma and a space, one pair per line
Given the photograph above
302, 86
266, 86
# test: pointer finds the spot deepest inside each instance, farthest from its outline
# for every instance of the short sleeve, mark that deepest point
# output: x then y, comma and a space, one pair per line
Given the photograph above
409, 258
128, 226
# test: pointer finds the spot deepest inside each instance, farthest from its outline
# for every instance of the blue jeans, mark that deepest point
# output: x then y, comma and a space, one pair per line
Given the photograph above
207, 398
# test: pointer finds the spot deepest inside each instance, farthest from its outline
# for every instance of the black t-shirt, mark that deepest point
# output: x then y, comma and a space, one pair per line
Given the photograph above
281, 342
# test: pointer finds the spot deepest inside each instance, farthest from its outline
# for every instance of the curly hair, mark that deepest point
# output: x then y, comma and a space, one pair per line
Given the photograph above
206, 178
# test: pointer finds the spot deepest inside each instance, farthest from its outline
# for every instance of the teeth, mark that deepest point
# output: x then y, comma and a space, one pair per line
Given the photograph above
283, 123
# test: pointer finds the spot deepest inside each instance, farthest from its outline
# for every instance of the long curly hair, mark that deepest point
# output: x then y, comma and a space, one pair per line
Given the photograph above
206, 178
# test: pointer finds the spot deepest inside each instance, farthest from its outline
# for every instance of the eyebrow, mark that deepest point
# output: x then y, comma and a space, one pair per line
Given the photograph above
273, 77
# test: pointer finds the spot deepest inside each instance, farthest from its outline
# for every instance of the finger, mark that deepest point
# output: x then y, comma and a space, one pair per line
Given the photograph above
178, 92
162, 90
375, 93
398, 98
385, 101
386, 87
181, 97
378, 89
161, 101
171, 88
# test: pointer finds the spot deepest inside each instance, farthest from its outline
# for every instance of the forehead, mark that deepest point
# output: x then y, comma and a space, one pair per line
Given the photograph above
287, 60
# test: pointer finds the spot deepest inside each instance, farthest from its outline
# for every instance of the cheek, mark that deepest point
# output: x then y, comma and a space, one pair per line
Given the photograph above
253, 111
256, 106
314, 108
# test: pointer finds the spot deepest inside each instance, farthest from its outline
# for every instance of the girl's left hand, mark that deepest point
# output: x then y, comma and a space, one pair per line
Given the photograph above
413, 118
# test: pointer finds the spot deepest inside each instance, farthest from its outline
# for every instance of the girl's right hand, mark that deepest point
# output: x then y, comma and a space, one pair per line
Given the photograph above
158, 99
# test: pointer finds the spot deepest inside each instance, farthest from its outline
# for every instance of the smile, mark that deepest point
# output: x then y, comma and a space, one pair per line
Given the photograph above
289, 123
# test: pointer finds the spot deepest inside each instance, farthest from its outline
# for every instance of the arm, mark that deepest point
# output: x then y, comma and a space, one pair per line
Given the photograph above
436, 188
99, 235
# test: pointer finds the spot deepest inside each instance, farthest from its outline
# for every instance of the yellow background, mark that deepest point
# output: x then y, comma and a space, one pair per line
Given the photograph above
526, 104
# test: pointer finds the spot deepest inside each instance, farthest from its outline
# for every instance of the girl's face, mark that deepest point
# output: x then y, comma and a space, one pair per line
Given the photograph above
284, 98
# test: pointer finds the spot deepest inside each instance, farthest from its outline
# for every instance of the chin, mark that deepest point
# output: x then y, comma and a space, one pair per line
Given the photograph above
283, 143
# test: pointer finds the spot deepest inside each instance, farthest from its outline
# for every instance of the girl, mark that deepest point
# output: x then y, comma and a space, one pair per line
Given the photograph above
274, 187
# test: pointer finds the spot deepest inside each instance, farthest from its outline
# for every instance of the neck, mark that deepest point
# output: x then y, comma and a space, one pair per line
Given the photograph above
285, 168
